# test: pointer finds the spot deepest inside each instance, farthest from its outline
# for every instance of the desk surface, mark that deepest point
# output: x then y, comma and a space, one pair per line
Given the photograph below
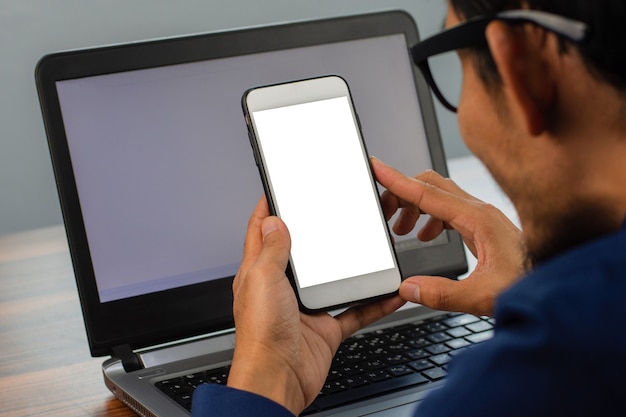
45, 366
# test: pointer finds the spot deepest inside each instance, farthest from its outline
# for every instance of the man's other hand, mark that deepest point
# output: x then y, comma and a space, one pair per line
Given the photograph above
491, 237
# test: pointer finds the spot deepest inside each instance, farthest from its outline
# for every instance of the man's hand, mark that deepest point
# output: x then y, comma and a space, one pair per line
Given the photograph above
281, 353
487, 232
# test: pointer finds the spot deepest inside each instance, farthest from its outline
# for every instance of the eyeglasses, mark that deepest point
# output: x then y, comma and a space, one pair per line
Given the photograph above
471, 33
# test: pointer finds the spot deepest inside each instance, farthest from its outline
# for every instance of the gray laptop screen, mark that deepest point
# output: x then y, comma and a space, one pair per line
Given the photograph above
164, 170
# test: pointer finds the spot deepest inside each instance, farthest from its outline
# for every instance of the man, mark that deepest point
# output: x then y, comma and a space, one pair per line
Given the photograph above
542, 105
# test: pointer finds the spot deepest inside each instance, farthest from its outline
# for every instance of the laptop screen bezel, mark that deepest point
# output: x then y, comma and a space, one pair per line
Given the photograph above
171, 315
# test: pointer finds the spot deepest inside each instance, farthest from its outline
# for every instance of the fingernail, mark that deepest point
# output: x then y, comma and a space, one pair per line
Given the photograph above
375, 159
413, 289
268, 226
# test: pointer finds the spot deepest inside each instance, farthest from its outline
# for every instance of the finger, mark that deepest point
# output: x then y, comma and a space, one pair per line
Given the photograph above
356, 318
433, 228
429, 198
276, 243
406, 220
254, 238
434, 178
390, 204
445, 294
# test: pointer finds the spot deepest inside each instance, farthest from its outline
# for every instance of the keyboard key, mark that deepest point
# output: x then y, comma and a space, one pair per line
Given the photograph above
333, 386
435, 374
438, 349
458, 332
441, 360
353, 357
379, 351
350, 370
461, 320
415, 332
377, 341
175, 388
399, 370
356, 381
398, 347
334, 373
219, 376
480, 326
480, 337
373, 364
354, 346
457, 343
378, 375
396, 336
421, 365
396, 359
419, 342
417, 354
439, 337
184, 400
435, 327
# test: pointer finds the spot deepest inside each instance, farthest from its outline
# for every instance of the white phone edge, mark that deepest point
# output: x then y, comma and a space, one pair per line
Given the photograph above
347, 291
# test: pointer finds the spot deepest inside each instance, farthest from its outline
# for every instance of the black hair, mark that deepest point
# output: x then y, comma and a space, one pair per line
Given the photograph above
603, 52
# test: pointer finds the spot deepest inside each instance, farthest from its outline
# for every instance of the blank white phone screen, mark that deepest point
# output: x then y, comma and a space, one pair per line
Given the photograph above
322, 190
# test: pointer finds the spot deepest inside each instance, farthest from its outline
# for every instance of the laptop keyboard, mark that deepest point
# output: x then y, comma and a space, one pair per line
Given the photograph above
374, 363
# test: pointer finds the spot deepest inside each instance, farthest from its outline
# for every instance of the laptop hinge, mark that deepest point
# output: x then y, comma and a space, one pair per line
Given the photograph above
130, 360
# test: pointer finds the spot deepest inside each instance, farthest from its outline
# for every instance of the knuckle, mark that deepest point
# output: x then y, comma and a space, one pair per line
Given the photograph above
489, 209
439, 300
427, 175
442, 301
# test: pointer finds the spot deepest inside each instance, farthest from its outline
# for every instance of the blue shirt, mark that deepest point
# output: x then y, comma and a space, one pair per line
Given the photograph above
559, 348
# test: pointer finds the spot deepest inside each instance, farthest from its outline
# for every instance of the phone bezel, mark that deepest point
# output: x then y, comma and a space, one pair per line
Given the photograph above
334, 294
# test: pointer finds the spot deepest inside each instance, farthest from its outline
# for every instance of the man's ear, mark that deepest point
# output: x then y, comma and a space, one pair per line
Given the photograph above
527, 83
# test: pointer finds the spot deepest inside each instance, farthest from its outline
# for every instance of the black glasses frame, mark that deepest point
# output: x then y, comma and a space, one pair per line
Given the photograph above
471, 33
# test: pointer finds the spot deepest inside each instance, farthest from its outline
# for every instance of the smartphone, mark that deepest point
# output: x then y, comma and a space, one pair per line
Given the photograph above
307, 143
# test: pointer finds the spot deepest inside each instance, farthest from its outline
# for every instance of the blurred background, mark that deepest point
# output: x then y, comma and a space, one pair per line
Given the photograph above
30, 29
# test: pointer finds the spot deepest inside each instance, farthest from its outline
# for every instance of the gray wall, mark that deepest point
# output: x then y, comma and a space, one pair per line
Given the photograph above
30, 29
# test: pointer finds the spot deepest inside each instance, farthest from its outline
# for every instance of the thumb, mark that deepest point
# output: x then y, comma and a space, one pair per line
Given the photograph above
441, 293
276, 241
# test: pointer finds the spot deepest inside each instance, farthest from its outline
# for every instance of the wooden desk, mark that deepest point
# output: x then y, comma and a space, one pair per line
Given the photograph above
45, 366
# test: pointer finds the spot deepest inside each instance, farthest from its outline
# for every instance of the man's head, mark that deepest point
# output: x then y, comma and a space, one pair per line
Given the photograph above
548, 117
603, 52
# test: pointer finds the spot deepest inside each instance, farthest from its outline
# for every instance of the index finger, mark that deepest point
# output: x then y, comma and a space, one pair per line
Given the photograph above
429, 198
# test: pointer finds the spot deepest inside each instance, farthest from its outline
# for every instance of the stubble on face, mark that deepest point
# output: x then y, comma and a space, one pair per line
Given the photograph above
581, 224
555, 217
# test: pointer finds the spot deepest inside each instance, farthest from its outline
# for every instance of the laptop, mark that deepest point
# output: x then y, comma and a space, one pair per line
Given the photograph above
157, 180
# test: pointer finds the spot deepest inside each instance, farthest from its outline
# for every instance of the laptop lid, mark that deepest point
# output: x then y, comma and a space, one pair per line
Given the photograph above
155, 173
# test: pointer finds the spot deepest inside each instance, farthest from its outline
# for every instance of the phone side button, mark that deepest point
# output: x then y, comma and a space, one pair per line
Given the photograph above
254, 151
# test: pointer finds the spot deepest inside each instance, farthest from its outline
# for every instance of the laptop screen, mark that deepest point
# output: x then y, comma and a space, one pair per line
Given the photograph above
164, 168
155, 170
